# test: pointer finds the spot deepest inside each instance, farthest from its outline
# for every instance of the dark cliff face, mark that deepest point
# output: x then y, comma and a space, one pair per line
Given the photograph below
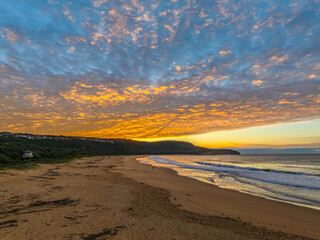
53, 148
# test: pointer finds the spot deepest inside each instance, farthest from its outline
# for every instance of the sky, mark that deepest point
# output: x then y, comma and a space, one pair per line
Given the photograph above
220, 73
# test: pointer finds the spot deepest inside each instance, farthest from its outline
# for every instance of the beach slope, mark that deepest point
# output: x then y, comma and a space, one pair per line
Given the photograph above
119, 198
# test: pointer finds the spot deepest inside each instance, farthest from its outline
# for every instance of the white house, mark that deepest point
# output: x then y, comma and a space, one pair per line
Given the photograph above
28, 154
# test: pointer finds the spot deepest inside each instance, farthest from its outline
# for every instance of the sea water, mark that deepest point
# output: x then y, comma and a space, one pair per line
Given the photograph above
290, 178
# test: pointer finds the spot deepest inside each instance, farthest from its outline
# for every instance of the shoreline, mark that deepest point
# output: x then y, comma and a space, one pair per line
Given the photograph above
248, 193
205, 198
117, 197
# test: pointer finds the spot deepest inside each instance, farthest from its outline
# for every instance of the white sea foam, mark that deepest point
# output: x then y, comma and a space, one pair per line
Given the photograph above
280, 177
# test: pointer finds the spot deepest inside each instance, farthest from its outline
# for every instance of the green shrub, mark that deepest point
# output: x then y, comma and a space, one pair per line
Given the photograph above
3, 159
14, 155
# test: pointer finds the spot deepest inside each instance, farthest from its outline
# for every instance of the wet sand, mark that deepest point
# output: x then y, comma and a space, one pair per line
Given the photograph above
119, 198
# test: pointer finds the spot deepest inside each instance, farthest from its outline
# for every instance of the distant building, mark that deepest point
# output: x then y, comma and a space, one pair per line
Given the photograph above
28, 154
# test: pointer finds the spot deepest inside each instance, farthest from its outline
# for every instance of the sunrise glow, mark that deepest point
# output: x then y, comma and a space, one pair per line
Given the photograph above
150, 70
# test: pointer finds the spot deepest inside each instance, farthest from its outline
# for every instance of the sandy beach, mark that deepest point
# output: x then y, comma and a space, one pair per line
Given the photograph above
119, 198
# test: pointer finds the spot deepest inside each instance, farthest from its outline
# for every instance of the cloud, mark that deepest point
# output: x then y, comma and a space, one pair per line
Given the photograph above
10, 35
312, 76
153, 69
257, 82
224, 53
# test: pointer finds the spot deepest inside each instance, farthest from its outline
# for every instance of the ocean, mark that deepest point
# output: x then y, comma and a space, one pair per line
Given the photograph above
290, 178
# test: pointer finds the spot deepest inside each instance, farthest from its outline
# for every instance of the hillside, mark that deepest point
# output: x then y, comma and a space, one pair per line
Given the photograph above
48, 148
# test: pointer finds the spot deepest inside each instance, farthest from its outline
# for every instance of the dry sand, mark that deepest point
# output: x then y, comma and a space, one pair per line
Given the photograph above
119, 198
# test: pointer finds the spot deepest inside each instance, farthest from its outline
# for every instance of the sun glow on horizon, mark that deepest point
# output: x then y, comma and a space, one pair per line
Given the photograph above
285, 135
206, 71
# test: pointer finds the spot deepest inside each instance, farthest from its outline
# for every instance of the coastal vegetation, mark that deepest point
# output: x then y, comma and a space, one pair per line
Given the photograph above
57, 149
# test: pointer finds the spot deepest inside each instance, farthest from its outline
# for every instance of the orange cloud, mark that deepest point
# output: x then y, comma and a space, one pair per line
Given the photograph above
312, 76
224, 53
257, 82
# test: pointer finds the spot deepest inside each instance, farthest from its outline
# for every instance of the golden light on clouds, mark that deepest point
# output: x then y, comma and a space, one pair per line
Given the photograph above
224, 53
104, 110
153, 69
312, 76
257, 82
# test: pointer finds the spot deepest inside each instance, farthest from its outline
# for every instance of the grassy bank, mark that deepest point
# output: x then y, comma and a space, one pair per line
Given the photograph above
58, 149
